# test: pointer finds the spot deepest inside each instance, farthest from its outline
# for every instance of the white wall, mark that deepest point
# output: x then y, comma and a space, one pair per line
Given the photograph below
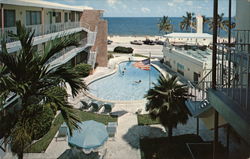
191, 65
200, 41
243, 14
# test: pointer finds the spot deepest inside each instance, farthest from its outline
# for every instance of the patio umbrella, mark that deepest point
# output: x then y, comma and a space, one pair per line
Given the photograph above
91, 136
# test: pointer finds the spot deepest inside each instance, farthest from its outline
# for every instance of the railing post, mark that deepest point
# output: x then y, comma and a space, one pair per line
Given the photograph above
215, 33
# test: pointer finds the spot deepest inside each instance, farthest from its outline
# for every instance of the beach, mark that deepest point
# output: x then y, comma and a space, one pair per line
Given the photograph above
156, 50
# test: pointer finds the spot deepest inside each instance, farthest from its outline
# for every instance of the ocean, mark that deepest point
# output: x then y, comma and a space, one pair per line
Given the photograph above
142, 26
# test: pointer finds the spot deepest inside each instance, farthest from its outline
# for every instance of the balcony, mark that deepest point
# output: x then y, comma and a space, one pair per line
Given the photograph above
67, 54
231, 98
45, 29
44, 33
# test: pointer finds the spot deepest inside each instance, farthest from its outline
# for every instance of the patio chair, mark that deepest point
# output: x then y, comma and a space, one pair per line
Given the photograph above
111, 128
85, 104
96, 106
108, 107
62, 132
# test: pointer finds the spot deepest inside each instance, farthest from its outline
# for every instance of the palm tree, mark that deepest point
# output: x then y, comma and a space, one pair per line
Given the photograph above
188, 21
165, 25
221, 23
166, 103
233, 25
29, 75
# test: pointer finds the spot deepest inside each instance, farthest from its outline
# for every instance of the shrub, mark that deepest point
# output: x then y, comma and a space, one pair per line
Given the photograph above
41, 123
121, 49
83, 69
110, 56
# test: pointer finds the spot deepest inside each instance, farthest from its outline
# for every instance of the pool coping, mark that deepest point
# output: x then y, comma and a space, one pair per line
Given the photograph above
144, 100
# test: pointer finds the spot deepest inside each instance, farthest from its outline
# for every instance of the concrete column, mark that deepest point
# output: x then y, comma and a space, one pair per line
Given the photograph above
2, 14
43, 23
216, 133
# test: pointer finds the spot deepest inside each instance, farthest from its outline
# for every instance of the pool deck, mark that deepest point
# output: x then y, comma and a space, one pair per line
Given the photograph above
125, 144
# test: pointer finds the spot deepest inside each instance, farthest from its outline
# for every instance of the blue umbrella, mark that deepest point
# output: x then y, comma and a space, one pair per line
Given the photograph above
91, 135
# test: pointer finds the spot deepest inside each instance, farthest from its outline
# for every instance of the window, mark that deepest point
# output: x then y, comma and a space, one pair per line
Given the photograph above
66, 18
58, 17
72, 16
180, 68
9, 18
33, 18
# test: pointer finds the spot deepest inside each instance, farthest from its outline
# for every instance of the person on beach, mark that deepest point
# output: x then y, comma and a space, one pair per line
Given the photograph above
137, 82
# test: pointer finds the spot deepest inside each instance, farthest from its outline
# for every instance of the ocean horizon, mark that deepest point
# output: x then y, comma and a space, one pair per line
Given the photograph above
145, 26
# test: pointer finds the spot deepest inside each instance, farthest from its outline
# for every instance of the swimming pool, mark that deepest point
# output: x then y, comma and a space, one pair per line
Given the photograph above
122, 86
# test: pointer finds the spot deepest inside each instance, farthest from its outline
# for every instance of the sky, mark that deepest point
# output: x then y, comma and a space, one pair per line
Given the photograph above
151, 8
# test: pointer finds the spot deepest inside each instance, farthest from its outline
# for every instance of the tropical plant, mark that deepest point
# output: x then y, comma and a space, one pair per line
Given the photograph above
221, 23
165, 25
29, 75
188, 21
83, 69
227, 24
166, 103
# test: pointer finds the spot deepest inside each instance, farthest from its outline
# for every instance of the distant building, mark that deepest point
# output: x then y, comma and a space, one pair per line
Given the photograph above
191, 62
187, 53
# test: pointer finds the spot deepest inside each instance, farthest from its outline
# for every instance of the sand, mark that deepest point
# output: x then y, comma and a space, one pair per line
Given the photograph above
156, 50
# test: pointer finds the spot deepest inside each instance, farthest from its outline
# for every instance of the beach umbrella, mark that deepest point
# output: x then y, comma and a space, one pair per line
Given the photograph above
89, 137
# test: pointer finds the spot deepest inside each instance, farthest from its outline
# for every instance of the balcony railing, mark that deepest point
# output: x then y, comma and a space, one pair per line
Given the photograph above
64, 53
232, 74
44, 29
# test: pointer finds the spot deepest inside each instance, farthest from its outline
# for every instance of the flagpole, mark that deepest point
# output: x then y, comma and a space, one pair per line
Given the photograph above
149, 76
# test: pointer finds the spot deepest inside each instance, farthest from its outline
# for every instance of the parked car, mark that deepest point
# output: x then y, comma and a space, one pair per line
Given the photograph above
135, 42
109, 42
148, 42
159, 42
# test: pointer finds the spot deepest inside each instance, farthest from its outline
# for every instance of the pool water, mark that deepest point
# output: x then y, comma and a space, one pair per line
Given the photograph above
122, 86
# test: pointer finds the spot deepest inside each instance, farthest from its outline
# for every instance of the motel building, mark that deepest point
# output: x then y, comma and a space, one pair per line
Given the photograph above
188, 53
50, 21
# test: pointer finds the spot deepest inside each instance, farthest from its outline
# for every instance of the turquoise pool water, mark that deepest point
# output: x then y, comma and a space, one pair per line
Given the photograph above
123, 87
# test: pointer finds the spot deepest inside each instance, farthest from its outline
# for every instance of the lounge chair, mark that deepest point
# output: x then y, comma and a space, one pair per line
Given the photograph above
111, 128
108, 107
62, 132
96, 106
85, 104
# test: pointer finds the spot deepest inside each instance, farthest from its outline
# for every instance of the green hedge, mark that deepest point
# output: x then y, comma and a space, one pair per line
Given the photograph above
83, 69
121, 49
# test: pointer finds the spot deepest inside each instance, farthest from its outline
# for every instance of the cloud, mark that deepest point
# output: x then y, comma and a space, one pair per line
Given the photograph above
170, 4
178, 1
190, 3
145, 10
111, 2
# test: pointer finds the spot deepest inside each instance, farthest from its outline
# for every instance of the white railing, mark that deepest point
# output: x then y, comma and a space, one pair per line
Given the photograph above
5, 33
62, 55
92, 58
46, 29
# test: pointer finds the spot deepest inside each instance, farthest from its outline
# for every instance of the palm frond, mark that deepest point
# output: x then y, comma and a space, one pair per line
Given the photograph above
57, 45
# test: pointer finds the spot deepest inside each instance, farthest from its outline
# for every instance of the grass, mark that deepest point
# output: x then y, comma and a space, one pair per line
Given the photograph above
144, 119
162, 148
43, 143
